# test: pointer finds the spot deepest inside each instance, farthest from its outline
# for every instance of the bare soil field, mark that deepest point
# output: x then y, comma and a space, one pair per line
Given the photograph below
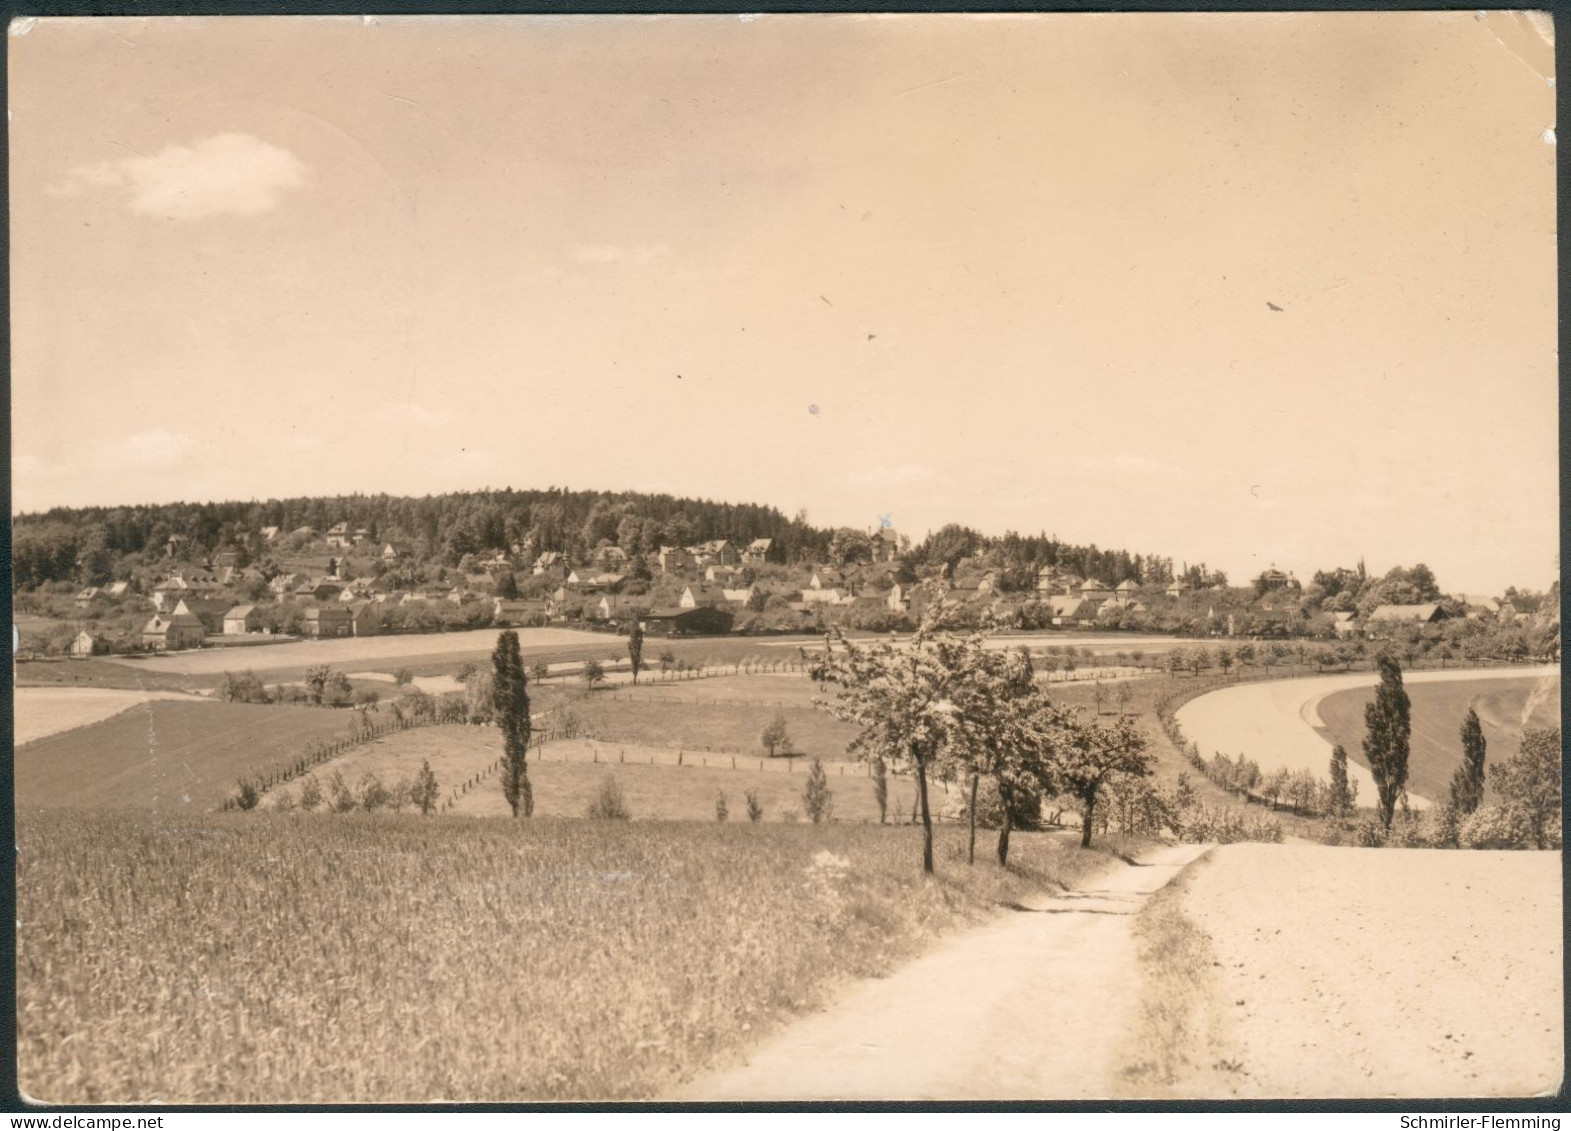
1275, 723
166, 756
1504, 708
39, 712
364, 651
1378, 972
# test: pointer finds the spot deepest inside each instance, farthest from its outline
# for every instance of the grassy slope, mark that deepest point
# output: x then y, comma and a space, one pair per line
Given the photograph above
159, 755
267, 958
568, 777
1438, 708
102, 673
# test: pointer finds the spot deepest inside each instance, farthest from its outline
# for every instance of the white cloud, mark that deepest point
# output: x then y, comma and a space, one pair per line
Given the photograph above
235, 174
158, 448
636, 255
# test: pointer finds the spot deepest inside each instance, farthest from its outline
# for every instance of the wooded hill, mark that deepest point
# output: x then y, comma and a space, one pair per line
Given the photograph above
95, 545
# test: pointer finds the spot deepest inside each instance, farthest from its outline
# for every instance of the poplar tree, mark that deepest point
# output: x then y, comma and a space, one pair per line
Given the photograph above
635, 648
510, 698
1388, 727
1467, 784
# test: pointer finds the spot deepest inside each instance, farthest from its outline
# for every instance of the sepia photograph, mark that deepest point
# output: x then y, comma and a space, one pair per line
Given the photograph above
750, 558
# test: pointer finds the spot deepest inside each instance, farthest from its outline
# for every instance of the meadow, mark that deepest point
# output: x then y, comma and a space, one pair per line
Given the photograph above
277, 958
1437, 712
166, 756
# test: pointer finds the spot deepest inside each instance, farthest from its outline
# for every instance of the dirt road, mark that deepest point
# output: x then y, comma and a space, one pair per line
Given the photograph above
1031, 1006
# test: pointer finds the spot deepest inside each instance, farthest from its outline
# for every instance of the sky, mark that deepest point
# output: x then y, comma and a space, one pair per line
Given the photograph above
1241, 289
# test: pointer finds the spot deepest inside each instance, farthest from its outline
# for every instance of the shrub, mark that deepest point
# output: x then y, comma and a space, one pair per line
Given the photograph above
755, 811
423, 792
373, 794
608, 803
817, 798
340, 799
403, 677
722, 809
1369, 834
249, 795
310, 793
1495, 826
284, 802
775, 737
539, 672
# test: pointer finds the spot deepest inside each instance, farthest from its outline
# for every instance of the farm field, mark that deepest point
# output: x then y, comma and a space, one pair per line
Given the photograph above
567, 774
254, 958
1370, 973
365, 651
166, 756
1438, 708
38, 712
1274, 722
99, 673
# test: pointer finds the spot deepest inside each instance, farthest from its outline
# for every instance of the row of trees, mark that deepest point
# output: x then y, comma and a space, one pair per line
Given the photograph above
943, 704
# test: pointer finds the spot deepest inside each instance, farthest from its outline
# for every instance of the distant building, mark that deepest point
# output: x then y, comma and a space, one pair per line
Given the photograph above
170, 632
365, 619
338, 536
885, 544
702, 621
674, 559
328, 621
242, 619
84, 645
1405, 614
1176, 588
759, 551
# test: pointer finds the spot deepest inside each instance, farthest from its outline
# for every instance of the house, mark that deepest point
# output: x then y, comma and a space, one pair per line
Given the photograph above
169, 592
701, 621
717, 552
506, 613
688, 600
1067, 609
605, 608
269, 533
1047, 580
498, 563
86, 597
328, 621
552, 563
716, 574
1176, 589
1343, 624
119, 589
170, 632
582, 579
85, 644
827, 579
319, 590
209, 612
286, 583
361, 536
747, 597
175, 545
885, 544
242, 619
899, 599
817, 596
1405, 614
1094, 590
1272, 579
226, 559
611, 558
338, 536
674, 559
365, 619
396, 551
759, 551
1125, 590
1475, 606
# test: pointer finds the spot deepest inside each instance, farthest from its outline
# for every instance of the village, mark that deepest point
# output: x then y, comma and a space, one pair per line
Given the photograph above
347, 582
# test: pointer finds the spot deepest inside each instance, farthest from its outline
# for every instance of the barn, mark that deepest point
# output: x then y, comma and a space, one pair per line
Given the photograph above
702, 621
